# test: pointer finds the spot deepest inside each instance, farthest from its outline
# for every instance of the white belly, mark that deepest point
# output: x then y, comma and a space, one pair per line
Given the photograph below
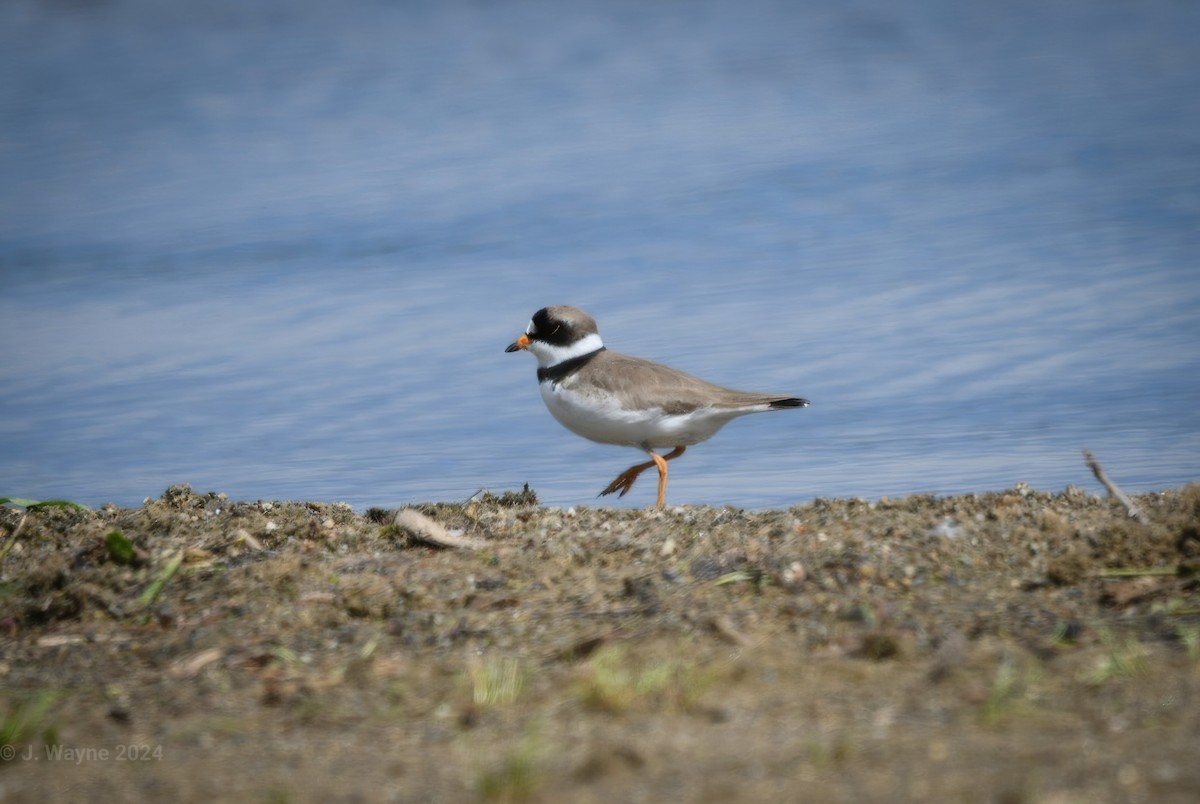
601, 419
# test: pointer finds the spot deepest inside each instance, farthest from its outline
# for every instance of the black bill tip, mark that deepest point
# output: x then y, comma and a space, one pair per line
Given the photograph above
790, 402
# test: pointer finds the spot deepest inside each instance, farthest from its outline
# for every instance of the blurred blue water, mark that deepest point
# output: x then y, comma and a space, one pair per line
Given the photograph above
277, 249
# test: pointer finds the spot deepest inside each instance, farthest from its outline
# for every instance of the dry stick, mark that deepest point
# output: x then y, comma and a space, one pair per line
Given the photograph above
1114, 491
426, 530
12, 538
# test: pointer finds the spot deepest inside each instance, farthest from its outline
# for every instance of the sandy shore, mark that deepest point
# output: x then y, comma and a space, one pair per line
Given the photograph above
1015, 646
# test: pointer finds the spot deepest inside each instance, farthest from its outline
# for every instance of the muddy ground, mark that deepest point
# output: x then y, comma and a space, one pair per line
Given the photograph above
1016, 646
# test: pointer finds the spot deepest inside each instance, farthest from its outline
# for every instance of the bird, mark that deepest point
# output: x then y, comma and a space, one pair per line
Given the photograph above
614, 398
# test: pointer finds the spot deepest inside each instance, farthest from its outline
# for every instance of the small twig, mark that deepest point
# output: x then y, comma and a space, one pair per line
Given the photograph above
12, 537
1114, 491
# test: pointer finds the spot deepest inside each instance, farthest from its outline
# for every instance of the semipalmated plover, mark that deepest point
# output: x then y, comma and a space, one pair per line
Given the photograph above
619, 399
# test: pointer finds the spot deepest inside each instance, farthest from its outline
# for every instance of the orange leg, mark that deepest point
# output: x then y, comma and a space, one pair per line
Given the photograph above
626, 479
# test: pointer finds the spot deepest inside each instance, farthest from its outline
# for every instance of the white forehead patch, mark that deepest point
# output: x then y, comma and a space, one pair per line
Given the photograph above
529, 330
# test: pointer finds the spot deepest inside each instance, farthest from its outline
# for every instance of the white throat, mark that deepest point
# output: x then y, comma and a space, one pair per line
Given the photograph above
549, 355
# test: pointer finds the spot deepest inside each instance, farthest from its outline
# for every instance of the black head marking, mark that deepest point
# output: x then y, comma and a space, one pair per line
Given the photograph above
546, 327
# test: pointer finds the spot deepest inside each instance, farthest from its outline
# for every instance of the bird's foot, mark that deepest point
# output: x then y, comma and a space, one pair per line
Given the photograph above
624, 481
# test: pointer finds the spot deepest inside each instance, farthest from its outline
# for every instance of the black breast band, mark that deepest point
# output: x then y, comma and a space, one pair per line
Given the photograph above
560, 371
